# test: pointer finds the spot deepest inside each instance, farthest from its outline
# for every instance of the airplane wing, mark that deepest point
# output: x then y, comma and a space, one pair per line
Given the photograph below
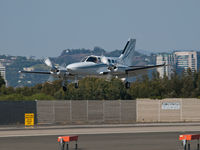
36, 72
142, 68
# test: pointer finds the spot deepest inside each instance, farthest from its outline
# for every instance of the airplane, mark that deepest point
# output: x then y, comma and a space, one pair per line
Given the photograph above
99, 66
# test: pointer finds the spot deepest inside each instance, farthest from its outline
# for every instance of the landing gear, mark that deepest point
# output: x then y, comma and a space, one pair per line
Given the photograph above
76, 85
76, 82
64, 88
127, 85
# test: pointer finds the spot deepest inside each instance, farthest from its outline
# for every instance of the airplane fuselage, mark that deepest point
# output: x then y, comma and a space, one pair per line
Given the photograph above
97, 67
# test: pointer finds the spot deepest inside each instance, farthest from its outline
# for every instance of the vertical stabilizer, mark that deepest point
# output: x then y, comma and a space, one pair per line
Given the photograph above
126, 57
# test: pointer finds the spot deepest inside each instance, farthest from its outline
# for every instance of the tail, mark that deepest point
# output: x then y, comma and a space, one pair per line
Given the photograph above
126, 57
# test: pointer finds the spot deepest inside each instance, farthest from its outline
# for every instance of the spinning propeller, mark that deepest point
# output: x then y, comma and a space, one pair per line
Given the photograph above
111, 66
56, 71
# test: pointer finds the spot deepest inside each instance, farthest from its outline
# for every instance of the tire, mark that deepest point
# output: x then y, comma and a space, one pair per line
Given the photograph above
76, 85
64, 88
127, 85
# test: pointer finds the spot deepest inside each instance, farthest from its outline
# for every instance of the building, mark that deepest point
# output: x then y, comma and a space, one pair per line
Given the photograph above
185, 60
168, 59
3, 72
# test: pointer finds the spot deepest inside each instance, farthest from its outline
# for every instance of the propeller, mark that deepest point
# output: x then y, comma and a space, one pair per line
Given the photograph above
111, 66
50, 79
104, 60
48, 62
54, 69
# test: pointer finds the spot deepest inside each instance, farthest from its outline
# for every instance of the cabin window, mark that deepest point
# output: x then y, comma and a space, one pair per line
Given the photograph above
92, 59
99, 59
109, 61
113, 61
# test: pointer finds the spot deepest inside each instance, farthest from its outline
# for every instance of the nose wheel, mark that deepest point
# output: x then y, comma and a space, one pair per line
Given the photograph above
76, 82
64, 86
127, 85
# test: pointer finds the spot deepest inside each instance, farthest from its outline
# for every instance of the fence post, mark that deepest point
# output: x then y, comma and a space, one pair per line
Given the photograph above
159, 105
103, 111
120, 113
87, 110
54, 115
181, 110
70, 107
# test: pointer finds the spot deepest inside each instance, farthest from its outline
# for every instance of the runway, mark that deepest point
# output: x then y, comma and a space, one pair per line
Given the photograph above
107, 138
137, 141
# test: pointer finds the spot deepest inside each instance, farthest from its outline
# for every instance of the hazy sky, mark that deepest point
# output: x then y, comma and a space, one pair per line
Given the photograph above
46, 27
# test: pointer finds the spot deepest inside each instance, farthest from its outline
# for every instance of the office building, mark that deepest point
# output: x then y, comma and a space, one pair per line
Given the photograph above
185, 60
168, 59
3, 72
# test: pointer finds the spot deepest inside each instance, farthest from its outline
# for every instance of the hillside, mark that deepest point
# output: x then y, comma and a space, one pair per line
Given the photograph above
75, 55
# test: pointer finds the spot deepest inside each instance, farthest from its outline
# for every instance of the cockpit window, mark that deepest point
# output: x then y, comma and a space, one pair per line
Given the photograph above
92, 59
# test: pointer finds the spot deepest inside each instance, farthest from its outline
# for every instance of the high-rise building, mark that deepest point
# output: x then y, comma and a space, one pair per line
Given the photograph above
168, 59
3, 72
185, 60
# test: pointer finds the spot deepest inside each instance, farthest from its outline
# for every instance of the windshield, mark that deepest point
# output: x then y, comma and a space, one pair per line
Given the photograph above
92, 59
83, 59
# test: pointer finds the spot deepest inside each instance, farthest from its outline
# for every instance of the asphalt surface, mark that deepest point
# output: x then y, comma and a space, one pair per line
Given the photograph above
117, 138
137, 141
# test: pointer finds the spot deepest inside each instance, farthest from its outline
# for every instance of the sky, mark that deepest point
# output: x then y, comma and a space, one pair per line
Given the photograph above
44, 28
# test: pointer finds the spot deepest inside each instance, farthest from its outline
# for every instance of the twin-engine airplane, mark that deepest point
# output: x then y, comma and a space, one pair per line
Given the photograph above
99, 66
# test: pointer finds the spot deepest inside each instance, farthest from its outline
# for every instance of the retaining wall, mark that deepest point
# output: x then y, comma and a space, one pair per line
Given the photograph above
168, 110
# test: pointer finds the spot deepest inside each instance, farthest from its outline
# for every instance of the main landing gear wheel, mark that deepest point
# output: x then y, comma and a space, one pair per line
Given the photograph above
127, 85
75, 85
64, 88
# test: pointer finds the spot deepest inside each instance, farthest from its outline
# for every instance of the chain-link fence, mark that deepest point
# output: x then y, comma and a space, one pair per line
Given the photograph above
92, 111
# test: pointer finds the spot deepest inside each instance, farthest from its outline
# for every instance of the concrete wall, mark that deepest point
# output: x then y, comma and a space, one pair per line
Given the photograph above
82, 111
184, 110
170, 115
190, 110
147, 110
